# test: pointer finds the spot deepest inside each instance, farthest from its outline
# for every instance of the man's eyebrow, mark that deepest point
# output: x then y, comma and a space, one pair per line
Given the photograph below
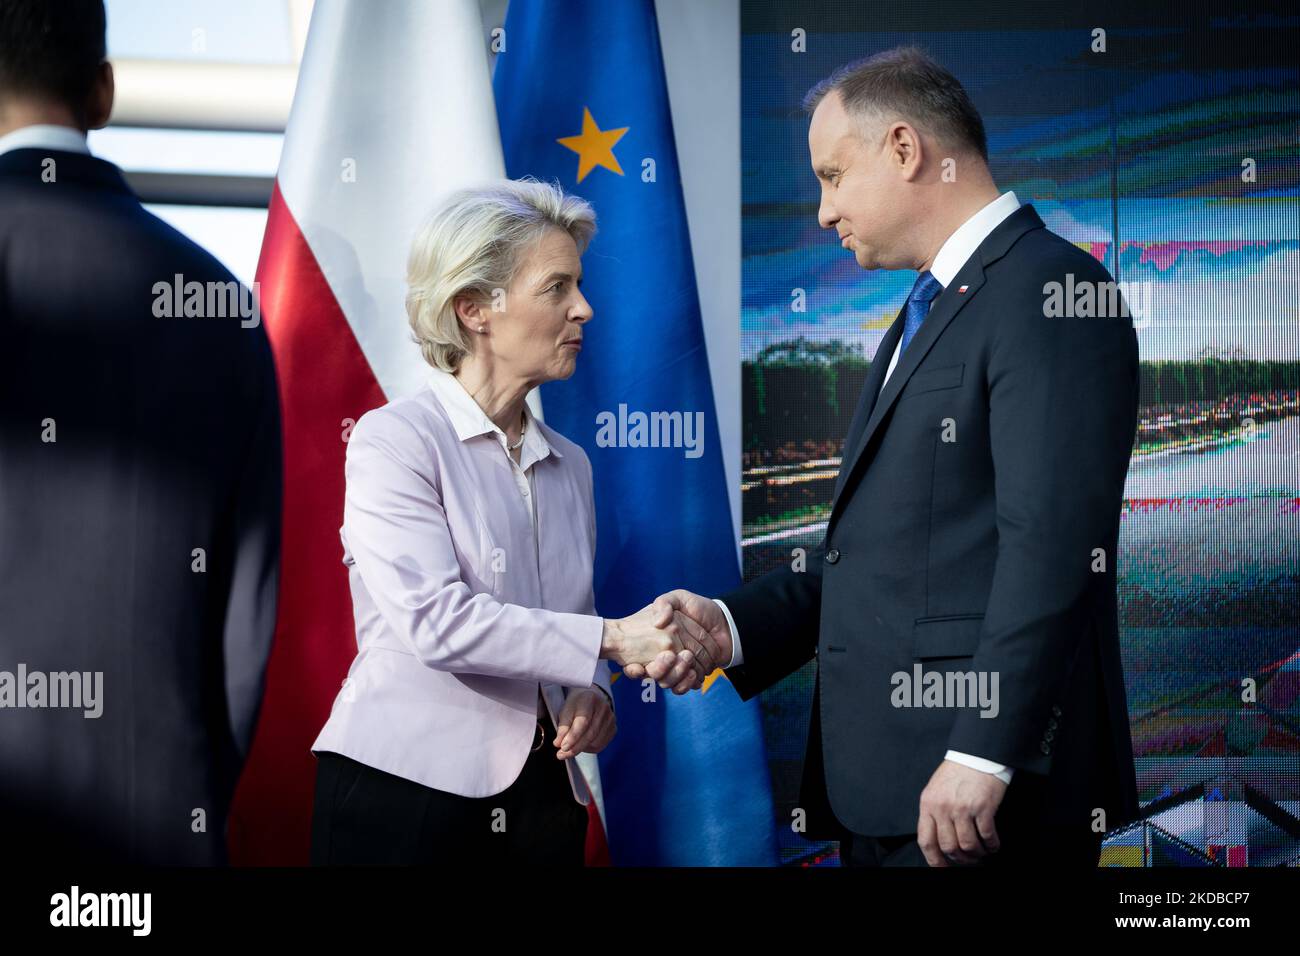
827, 171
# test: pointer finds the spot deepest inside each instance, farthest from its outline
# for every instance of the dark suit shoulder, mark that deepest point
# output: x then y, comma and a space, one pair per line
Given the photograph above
89, 208
94, 285
1045, 275
1041, 253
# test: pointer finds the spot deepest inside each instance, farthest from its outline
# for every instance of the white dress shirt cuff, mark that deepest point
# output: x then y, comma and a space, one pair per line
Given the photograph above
737, 656
999, 770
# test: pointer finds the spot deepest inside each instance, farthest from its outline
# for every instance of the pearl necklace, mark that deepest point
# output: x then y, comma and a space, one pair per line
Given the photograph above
522, 430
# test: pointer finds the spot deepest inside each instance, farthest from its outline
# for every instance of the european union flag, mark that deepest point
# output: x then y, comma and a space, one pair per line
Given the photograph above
581, 99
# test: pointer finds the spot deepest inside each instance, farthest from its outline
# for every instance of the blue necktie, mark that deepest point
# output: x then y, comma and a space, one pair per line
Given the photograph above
918, 305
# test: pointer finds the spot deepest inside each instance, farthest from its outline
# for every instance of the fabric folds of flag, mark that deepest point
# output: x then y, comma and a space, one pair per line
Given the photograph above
582, 99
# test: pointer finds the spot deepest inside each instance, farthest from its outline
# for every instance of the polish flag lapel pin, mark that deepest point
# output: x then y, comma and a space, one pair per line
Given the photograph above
962, 288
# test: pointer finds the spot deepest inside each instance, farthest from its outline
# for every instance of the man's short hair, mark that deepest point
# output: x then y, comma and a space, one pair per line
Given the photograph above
906, 83
51, 49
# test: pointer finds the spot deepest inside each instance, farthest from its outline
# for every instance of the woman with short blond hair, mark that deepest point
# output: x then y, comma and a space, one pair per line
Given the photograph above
469, 536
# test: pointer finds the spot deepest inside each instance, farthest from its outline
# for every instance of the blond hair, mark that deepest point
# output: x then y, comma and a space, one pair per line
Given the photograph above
473, 243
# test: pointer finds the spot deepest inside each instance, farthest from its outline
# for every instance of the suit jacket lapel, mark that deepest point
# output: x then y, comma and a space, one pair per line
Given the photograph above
942, 311
870, 390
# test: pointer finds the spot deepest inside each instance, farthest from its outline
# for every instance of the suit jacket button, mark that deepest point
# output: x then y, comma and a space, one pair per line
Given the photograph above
832, 556
1056, 711
1051, 724
1045, 747
1049, 735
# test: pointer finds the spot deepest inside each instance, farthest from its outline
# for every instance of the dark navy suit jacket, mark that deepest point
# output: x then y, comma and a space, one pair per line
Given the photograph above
974, 529
142, 542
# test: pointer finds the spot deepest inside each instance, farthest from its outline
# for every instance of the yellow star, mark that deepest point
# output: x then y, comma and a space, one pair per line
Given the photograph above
595, 147
718, 673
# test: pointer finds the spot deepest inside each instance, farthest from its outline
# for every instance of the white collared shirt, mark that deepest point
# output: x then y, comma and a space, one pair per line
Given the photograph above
951, 257
958, 249
469, 420
45, 136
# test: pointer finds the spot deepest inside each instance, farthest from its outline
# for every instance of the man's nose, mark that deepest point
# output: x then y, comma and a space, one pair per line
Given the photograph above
827, 217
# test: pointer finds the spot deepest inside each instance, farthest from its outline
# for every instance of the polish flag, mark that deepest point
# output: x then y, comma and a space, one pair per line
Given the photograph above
393, 110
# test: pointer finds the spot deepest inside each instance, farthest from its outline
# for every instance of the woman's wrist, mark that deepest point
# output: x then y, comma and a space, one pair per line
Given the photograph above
611, 639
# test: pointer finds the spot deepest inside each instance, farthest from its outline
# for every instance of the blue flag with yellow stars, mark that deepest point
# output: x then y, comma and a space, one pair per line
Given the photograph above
581, 100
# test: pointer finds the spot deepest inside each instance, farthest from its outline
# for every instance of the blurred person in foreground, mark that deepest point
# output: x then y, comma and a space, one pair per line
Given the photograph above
139, 486
469, 535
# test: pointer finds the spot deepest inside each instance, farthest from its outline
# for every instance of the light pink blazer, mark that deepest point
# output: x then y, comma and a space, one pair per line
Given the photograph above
459, 616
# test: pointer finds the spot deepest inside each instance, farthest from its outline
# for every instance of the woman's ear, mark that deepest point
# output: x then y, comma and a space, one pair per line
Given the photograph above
469, 313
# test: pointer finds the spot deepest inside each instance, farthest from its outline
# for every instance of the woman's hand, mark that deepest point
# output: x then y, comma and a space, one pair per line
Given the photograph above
586, 723
636, 640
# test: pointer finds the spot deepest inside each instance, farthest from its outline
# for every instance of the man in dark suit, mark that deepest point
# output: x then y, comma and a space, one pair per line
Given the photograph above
139, 486
970, 701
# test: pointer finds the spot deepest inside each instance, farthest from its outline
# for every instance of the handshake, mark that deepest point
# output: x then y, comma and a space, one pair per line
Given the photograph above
678, 640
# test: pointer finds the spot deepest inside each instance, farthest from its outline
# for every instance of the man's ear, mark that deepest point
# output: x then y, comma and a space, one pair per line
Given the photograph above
100, 107
905, 150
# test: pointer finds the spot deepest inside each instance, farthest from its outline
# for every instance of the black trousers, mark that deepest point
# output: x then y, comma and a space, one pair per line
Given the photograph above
1047, 848
1026, 841
366, 816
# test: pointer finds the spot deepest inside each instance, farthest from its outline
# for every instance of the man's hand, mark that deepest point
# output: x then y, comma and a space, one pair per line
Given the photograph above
956, 820
704, 633
586, 723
